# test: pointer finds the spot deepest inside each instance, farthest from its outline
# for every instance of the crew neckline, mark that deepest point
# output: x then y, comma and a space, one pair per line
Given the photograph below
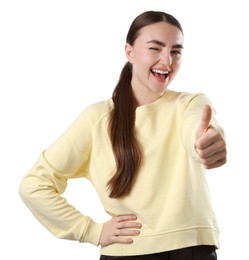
154, 105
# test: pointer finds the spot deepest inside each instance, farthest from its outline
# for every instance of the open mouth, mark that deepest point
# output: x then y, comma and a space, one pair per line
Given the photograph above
160, 74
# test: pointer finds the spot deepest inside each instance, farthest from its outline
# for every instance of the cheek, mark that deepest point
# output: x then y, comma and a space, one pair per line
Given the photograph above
177, 64
142, 57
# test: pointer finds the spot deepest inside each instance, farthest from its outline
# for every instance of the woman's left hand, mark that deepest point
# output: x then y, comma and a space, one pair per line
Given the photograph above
210, 144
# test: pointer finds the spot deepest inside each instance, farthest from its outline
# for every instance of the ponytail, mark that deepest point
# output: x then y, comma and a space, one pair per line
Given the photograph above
125, 146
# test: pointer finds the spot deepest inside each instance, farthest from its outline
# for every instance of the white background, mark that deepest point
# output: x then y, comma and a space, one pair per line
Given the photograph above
57, 57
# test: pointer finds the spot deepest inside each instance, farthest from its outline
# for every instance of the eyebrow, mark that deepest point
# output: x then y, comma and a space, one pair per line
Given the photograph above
162, 44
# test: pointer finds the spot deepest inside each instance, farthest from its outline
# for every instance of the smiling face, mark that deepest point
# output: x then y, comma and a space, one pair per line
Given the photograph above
156, 58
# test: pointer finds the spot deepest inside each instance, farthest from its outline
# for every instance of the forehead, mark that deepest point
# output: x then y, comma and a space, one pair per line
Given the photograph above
162, 31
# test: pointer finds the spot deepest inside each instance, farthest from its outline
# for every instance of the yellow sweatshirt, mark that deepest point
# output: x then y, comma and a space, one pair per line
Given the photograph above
170, 197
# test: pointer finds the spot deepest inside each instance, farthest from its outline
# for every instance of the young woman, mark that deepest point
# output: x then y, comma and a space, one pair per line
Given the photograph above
145, 151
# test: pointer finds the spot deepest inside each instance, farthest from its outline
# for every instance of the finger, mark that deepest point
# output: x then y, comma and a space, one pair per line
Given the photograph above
121, 218
122, 225
206, 118
207, 147
209, 139
218, 158
122, 240
217, 164
127, 232
205, 121
205, 151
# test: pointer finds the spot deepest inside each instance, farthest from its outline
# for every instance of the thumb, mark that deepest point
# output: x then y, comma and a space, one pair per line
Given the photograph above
205, 121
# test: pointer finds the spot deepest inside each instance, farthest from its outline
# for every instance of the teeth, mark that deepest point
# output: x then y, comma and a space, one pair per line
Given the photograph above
161, 71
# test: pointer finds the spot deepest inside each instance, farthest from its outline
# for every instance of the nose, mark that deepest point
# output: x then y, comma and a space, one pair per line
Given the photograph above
166, 59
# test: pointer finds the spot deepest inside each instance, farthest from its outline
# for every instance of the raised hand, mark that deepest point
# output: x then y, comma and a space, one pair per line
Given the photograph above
210, 144
120, 230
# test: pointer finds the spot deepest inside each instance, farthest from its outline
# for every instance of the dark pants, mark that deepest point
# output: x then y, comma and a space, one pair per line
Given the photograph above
189, 253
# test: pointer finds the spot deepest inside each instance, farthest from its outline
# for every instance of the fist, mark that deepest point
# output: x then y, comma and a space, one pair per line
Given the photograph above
210, 144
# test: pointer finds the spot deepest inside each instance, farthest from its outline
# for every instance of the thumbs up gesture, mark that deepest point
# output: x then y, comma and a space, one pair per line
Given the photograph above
209, 144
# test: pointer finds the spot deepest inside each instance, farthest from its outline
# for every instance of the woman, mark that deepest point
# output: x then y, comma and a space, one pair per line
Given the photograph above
145, 151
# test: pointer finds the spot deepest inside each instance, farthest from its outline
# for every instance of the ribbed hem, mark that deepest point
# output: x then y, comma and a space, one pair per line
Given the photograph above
164, 242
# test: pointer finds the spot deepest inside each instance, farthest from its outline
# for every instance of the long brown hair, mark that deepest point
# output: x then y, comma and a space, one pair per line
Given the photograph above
126, 148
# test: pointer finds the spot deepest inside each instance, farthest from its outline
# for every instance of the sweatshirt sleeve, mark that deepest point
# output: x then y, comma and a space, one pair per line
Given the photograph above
42, 188
192, 112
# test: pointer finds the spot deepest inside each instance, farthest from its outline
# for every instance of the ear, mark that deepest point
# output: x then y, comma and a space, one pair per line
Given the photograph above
129, 52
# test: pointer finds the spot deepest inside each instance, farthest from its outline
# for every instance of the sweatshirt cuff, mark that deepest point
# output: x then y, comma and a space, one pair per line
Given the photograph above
189, 144
94, 233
